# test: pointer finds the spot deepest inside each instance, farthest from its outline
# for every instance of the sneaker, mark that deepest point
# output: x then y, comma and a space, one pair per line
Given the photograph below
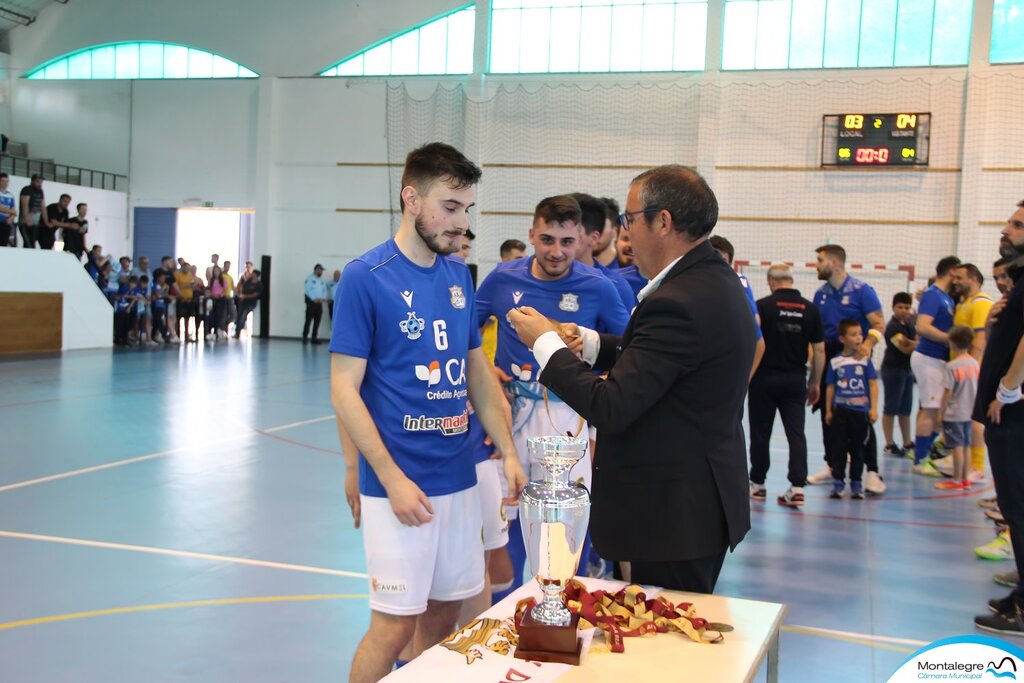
996, 516
758, 492
208, 337
893, 451
952, 485
152, 342
1008, 579
856, 490
926, 469
989, 503
874, 485
793, 497
939, 450
977, 477
1010, 622
998, 549
944, 465
822, 476
1001, 605
837, 489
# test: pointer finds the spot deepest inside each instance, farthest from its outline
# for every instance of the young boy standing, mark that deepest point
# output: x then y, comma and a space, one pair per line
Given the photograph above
851, 408
897, 379
961, 388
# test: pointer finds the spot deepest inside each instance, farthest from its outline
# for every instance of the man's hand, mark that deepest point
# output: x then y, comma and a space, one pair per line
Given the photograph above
529, 324
993, 313
409, 503
352, 493
828, 417
570, 335
873, 415
864, 350
516, 478
813, 394
995, 411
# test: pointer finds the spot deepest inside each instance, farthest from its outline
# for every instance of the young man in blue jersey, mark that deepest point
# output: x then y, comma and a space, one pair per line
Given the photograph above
593, 217
552, 282
928, 361
624, 261
405, 358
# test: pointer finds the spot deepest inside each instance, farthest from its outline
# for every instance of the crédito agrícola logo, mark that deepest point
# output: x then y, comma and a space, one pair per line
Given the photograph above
963, 658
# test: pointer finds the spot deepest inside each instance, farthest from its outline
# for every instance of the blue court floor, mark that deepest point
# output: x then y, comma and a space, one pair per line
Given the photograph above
178, 515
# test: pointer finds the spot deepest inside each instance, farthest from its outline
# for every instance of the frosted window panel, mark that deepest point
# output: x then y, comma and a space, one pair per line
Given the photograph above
405, 51
175, 61
57, 70
536, 41
842, 19
807, 37
351, 67
951, 41
691, 36
740, 37
505, 41
656, 45
627, 37
1007, 32
535, 4
565, 39
103, 62
596, 39
503, 4
461, 26
126, 61
772, 35
914, 33
433, 47
80, 65
377, 61
877, 32
563, 3
246, 73
200, 64
151, 60
224, 68
333, 71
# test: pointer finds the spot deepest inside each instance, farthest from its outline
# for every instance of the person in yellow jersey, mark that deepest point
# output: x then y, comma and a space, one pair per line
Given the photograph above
972, 311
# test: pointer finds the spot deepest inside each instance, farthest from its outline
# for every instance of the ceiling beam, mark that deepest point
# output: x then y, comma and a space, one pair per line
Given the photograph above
16, 17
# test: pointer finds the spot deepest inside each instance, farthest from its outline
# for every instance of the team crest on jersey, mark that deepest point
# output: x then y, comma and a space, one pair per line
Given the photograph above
846, 301
517, 297
569, 303
412, 327
458, 298
858, 370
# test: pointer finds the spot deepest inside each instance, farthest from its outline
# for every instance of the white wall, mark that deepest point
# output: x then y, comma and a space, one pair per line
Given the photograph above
88, 317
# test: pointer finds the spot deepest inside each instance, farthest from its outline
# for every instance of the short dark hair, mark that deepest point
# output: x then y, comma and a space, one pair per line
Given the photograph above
612, 207
438, 161
973, 273
164, 258
961, 337
133, 278
902, 298
832, 251
508, 246
846, 325
945, 265
143, 278
3, 175
721, 244
593, 212
66, 195
257, 271
469, 235
81, 204
1003, 261
558, 209
684, 194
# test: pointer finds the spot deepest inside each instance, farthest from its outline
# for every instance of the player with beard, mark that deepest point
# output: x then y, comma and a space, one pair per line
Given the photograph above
593, 224
604, 250
999, 408
624, 262
405, 358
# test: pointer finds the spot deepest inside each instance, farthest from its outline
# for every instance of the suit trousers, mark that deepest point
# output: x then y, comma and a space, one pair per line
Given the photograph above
698, 575
786, 392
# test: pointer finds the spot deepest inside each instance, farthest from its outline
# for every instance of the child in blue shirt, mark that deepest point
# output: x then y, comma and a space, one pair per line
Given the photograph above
851, 408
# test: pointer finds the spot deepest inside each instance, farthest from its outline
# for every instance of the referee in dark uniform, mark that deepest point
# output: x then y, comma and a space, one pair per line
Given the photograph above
790, 324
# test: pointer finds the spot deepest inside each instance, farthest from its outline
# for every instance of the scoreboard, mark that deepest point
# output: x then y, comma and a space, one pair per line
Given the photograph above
875, 139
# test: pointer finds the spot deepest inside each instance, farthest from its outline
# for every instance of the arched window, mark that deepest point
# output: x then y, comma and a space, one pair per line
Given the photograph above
442, 45
139, 60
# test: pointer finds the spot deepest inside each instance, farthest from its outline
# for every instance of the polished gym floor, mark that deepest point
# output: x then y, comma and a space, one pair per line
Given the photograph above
178, 515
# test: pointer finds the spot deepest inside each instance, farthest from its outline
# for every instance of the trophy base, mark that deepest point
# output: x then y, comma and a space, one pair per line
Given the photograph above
545, 643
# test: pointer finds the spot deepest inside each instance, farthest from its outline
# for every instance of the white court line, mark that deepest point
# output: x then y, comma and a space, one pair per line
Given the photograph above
182, 553
861, 636
158, 454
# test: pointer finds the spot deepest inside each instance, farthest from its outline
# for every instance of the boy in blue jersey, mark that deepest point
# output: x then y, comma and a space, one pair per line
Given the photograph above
928, 361
552, 282
405, 358
851, 408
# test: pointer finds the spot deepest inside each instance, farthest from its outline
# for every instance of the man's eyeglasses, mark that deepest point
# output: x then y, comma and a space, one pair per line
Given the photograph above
626, 217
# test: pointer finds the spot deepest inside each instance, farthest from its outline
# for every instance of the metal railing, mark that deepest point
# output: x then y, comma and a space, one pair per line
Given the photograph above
62, 173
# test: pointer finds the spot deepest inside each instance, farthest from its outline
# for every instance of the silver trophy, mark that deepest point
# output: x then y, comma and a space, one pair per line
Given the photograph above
553, 514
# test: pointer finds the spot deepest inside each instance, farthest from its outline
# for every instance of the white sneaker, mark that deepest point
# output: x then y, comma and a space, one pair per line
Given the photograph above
944, 465
221, 334
152, 342
874, 485
209, 337
823, 476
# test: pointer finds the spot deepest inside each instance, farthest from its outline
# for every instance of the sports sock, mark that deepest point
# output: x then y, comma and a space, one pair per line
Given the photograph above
922, 444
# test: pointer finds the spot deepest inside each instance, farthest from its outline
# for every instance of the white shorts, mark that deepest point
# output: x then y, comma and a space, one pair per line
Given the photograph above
440, 560
492, 510
530, 418
930, 375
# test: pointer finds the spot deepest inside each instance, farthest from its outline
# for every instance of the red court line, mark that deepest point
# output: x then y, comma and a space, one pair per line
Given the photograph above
850, 518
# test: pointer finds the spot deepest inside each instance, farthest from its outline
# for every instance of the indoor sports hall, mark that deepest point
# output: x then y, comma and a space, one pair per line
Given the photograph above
175, 510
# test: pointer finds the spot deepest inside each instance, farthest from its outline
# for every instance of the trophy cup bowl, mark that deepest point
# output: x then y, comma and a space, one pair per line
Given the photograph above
553, 514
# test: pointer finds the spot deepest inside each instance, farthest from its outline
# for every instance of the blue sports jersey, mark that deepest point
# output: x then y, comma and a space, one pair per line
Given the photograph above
140, 293
853, 300
584, 296
121, 303
626, 292
7, 200
636, 281
415, 327
758, 333
850, 378
940, 307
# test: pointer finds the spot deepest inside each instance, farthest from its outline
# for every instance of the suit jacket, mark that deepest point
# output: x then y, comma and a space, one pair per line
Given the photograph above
670, 469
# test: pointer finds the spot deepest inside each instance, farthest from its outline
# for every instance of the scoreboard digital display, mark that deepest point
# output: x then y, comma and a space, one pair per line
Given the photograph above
869, 140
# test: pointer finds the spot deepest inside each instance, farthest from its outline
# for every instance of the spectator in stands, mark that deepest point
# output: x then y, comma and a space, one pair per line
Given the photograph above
167, 270
249, 292
142, 268
74, 233
143, 317
332, 287
158, 298
124, 301
186, 301
316, 292
897, 379
604, 250
214, 263
107, 280
56, 218
511, 250
7, 212
94, 265
216, 290
31, 212
199, 301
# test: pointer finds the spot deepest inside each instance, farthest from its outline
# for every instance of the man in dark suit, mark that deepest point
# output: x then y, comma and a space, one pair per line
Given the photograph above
670, 474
